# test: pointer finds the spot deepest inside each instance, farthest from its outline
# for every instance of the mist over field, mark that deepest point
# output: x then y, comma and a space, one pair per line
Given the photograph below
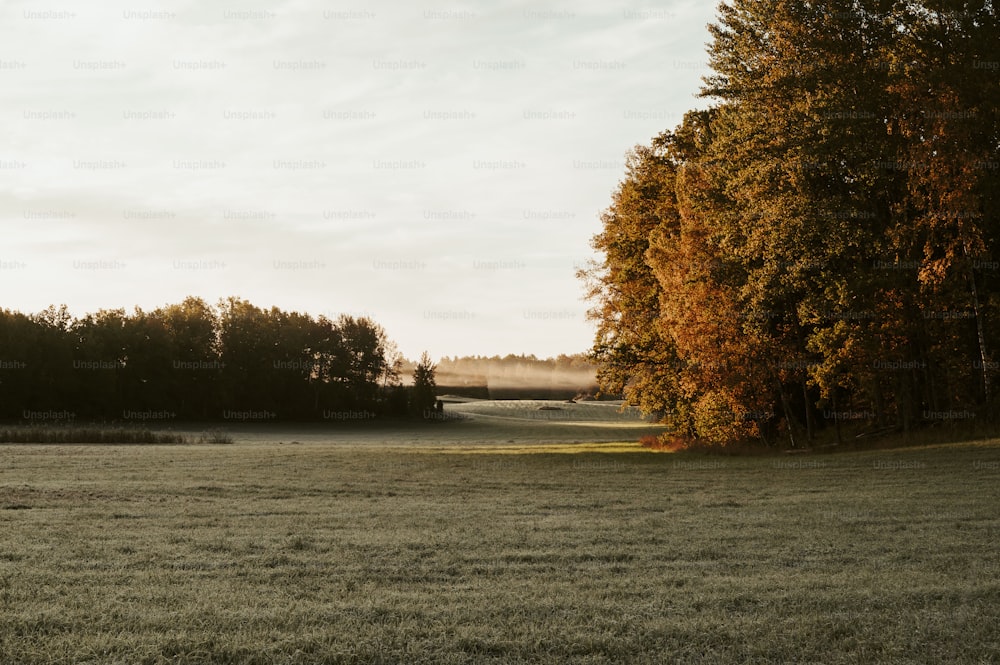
522, 378
568, 376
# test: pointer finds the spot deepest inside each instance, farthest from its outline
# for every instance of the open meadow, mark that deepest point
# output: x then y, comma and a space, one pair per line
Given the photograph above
496, 552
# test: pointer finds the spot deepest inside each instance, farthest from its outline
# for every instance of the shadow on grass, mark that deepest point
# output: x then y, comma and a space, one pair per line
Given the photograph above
826, 443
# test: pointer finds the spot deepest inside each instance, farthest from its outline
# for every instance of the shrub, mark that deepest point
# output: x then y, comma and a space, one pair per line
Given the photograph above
86, 434
666, 442
216, 436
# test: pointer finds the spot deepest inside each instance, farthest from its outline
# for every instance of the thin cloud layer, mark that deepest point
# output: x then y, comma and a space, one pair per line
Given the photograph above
438, 168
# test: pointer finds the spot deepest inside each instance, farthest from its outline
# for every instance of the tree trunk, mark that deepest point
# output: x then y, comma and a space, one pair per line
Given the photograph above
809, 418
788, 416
836, 418
982, 338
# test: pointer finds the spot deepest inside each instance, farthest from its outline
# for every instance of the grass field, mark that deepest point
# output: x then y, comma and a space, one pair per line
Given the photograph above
468, 422
313, 553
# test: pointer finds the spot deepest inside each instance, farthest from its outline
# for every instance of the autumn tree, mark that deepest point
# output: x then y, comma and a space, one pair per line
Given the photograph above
833, 217
796, 134
634, 359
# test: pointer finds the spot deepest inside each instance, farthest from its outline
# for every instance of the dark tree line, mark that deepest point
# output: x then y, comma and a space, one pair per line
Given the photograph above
190, 360
818, 248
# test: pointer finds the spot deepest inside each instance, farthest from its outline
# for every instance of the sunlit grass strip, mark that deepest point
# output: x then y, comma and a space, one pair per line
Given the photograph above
537, 448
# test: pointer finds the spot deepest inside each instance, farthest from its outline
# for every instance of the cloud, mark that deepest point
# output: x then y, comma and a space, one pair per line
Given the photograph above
322, 152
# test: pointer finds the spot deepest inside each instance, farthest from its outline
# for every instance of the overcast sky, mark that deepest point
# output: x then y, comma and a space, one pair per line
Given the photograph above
438, 167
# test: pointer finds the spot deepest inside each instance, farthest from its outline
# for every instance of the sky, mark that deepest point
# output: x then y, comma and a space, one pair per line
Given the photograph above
440, 168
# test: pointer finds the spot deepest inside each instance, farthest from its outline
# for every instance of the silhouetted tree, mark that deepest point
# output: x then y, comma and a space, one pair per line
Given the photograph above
191, 327
424, 393
192, 361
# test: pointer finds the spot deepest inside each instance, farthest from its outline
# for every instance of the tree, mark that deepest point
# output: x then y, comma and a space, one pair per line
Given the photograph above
35, 366
365, 364
99, 361
149, 373
827, 215
50, 355
424, 393
191, 327
246, 355
797, 220
634, 359
189, 360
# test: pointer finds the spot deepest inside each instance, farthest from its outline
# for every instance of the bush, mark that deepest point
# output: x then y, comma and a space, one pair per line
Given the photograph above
216, 436
86, 434
109, 435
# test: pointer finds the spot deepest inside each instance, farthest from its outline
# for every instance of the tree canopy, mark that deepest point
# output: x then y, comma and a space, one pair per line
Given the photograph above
818, 246
190, 360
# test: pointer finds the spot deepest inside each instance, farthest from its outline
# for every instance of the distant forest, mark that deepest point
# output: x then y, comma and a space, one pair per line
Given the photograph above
817, 250
193, 361
234, 362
